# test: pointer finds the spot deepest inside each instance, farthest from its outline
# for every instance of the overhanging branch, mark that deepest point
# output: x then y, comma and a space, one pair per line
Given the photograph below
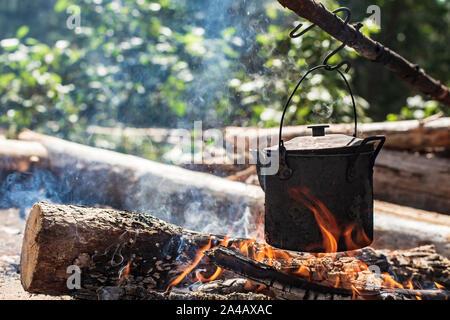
410, 73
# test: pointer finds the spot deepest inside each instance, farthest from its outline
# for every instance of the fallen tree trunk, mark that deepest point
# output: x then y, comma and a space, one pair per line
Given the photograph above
415, 135
399, 227
131, 183
122, 249
416, 77
413, 180
22, 156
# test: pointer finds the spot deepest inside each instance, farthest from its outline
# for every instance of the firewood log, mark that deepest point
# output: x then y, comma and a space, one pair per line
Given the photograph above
231, 289
286, 286
104, 244
139, 293
123, 249
415, 135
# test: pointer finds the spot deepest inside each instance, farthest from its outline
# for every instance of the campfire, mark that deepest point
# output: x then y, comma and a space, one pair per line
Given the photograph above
96, 252
313, 212
135, 256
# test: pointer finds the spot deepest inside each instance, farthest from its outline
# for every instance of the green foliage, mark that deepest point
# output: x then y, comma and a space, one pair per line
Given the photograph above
151, 63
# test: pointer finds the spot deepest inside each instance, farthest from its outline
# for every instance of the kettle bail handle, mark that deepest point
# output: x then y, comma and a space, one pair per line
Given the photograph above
326, 67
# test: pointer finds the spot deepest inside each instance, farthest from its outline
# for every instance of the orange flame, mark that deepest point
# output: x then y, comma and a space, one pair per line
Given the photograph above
355, 292
325, 219
188, 270
124, 276
254, 248
409, 284
390, 282
303, 271
218, 271
439, 286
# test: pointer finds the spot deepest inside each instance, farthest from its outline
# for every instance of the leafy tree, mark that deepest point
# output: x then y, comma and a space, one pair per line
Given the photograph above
151, 63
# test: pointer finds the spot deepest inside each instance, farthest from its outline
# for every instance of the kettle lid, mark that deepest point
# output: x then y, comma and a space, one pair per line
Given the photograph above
320, 143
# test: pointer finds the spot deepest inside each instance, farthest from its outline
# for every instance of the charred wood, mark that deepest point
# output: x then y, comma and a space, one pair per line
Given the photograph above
286, 286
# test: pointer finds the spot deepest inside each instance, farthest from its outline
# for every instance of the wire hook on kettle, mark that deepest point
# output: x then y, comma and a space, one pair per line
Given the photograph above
295, 34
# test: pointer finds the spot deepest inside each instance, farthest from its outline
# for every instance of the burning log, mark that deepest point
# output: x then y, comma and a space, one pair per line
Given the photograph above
137, 293
110, 247
141, 255
231, 289
286, 286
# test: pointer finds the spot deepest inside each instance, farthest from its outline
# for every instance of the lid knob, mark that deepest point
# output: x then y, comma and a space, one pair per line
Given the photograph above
318, 130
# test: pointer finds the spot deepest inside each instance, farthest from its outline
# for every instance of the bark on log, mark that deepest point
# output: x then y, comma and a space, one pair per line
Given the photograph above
287, 286
412, 74
130, 250
131, 183
103, 243
413, 180
415, 135
22, 155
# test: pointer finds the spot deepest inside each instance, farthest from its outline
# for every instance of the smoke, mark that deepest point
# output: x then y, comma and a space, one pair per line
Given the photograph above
190, 208
210, 83
22, 190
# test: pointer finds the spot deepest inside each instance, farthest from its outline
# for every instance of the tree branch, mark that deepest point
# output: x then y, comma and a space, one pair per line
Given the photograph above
410, 73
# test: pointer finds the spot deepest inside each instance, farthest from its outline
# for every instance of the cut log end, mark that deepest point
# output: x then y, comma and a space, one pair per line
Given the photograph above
30, 249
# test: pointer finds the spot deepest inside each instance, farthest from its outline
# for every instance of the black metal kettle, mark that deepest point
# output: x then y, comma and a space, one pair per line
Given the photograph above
321, 197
